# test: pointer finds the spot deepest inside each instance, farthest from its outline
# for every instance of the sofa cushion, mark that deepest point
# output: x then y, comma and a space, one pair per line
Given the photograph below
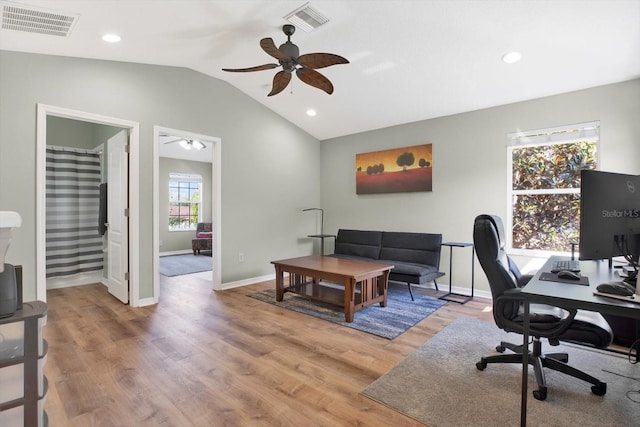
359, 243
410, 272
204, 234
418, 248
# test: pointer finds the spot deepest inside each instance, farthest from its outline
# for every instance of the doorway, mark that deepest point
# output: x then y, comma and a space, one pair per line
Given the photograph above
45, 112
167, 138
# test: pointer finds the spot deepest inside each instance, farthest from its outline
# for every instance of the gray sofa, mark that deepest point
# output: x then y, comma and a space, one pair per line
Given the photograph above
415, 256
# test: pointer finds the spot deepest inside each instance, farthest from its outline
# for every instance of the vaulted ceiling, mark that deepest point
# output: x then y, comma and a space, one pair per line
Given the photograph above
409, 60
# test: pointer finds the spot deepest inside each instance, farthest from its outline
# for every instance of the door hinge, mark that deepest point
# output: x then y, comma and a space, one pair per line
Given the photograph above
126, 276
126, 148
126, 212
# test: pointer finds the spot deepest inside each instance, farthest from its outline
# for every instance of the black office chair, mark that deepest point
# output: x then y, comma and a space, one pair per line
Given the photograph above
546, 321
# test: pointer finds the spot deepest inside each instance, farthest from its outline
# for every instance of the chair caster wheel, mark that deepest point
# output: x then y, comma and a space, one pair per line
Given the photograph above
599, 390
500, 349
540, 394
481, 365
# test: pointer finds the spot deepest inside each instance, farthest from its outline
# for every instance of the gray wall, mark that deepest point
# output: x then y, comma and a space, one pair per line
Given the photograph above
470, 165
270, 168
181, 240
64, 132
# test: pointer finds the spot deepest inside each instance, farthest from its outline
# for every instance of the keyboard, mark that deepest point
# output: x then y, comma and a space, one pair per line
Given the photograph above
570, 264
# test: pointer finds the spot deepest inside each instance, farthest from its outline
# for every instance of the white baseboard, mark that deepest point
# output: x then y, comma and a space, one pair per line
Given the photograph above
146, 301
180, 252
247, 282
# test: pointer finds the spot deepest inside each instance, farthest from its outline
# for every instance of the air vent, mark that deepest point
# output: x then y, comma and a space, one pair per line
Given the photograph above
306, 18
35, 20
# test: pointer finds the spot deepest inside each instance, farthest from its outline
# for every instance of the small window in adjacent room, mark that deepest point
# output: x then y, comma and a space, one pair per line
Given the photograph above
184, 201
543, 186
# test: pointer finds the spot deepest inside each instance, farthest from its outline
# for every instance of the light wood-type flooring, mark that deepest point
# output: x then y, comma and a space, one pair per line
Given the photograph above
204, 358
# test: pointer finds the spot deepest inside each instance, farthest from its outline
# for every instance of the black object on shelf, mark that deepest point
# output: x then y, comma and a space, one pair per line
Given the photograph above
452, 296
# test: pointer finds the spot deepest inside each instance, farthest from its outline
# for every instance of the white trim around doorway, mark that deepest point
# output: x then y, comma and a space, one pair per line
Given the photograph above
216, 198
43, 111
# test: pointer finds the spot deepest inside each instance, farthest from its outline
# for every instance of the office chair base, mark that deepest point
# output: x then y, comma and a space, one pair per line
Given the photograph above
539, 361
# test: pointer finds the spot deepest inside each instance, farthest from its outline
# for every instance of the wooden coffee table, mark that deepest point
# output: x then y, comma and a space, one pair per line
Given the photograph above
363, 283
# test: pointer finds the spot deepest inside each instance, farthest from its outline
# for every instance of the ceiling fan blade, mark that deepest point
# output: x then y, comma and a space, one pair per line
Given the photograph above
315, 79
173, 140
258, 68
280, 82
270, 47
321, 60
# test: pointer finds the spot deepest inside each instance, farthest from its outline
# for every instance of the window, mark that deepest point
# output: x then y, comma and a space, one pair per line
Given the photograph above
543, 186
184, 201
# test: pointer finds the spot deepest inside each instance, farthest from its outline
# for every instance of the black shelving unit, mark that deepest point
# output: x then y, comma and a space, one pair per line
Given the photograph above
29, 352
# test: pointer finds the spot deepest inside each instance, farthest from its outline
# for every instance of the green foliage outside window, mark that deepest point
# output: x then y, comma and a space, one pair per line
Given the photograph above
546, 194
184, 205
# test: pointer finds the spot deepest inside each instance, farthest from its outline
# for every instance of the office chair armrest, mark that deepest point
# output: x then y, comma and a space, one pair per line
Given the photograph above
547, 329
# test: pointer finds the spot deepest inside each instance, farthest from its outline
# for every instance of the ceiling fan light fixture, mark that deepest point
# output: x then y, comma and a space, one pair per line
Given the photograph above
188, 144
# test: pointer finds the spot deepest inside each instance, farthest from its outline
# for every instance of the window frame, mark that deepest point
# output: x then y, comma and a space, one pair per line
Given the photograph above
568, 134
182, 178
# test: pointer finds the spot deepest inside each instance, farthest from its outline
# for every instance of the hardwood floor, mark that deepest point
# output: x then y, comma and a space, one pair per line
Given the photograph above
204, 358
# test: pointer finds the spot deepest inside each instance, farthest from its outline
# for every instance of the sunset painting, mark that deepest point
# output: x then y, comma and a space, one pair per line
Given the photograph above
398, 170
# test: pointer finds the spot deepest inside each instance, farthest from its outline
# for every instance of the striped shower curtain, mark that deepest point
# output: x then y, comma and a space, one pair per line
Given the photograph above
73, 193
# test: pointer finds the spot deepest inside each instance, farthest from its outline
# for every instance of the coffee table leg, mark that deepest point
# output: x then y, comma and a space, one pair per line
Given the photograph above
279, 284
383, 286
349, 297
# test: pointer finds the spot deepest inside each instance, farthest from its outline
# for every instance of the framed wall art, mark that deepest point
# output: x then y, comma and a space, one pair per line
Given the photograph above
397, 170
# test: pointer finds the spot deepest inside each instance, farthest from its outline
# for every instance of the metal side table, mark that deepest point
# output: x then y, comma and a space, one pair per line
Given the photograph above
452, 296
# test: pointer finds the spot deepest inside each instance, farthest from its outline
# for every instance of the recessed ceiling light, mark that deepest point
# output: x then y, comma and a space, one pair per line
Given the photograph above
512, 57
311, 112
111, 38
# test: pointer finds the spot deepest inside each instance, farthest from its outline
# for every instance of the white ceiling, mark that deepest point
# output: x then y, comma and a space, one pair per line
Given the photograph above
410, 60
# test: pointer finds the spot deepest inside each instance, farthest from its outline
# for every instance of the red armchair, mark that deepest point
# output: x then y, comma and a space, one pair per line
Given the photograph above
204, 235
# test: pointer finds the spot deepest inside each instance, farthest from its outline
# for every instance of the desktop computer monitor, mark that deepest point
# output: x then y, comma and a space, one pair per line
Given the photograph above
609, 216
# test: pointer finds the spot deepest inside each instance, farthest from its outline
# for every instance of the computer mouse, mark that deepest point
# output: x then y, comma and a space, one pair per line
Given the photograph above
568, 275
616, 288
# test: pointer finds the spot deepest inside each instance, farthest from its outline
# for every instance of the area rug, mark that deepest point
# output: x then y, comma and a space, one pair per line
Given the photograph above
439, 385
388, 322
177, 265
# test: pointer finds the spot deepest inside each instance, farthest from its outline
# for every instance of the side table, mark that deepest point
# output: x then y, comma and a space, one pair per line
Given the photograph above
452, 296
322, 237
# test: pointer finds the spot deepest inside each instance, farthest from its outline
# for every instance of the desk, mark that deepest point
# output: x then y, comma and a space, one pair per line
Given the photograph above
569, 296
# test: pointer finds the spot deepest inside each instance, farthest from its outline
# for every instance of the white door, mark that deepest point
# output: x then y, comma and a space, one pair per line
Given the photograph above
118, 228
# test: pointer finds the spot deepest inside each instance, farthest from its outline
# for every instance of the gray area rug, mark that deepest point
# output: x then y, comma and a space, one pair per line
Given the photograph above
388, 322
177, 265
439, 384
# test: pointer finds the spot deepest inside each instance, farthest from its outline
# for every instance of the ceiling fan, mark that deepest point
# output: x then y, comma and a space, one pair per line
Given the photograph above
187, 144
288, 56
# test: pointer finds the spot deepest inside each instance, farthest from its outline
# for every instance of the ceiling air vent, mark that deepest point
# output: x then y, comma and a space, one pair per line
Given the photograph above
306, 18
35, 20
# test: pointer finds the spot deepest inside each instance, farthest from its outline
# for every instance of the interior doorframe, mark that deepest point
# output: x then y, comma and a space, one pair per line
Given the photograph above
216, 200
43, 111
